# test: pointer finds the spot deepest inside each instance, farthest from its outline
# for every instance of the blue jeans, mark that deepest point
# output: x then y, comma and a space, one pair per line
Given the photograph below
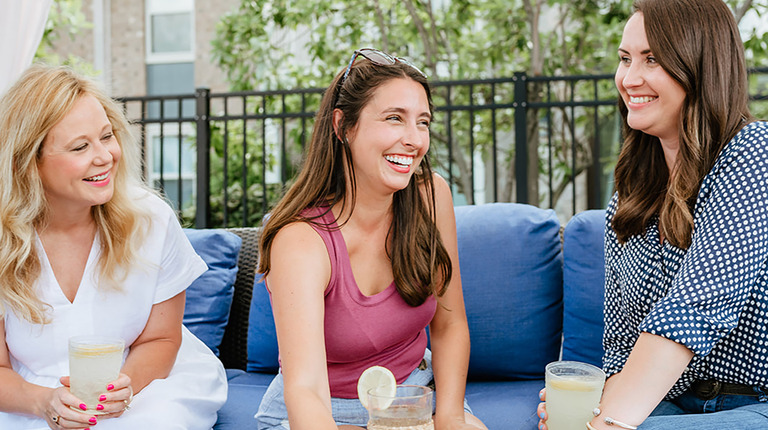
725, 411
273, 415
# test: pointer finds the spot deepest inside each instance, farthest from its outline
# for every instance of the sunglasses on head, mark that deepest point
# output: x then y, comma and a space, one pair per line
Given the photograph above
379, 58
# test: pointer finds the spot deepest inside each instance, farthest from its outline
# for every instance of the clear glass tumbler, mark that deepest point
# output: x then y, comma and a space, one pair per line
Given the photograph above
409, 409
94, 361
573, 391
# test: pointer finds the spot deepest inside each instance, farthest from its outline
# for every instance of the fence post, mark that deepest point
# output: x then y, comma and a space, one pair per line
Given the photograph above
203, 145
521, 135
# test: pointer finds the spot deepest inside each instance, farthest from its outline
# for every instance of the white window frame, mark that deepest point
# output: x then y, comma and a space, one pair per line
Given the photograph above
159, 7
151, 132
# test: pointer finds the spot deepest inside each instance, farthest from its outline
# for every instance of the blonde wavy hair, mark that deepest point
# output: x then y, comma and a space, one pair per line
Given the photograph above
31, 107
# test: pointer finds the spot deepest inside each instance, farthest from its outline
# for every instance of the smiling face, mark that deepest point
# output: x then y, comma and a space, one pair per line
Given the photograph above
391, 136
78, 159
653, 98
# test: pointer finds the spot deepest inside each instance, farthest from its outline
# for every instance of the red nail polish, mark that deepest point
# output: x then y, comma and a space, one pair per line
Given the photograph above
99, 407
92, 420
102, 398
110, 387
83, 407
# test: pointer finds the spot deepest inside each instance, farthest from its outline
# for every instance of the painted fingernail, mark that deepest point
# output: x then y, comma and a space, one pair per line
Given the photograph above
83, 406
102, 398
541, 426
110, 387
92, 420
541, 415
541, 395
99, 407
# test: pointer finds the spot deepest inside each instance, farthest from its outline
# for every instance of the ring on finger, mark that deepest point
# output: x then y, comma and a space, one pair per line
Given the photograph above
56, 419
127, 407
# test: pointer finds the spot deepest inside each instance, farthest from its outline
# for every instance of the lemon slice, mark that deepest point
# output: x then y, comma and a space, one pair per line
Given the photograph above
376, 377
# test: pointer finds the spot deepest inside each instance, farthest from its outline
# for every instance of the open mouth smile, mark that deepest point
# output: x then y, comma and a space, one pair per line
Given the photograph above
399, 160
640, 100
97, 178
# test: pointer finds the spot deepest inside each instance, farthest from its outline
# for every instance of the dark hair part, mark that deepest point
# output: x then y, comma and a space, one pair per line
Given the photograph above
420, 262
706, 57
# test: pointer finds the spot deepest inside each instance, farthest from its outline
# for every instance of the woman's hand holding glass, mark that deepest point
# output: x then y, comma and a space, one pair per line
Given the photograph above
63, 409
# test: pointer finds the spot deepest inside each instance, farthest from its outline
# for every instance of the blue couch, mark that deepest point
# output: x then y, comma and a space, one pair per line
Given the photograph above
533, 293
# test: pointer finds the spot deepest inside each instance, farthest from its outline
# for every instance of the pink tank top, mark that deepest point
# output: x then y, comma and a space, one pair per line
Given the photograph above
363, 331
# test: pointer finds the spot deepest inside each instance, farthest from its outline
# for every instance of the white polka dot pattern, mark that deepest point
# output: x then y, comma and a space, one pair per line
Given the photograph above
712, 297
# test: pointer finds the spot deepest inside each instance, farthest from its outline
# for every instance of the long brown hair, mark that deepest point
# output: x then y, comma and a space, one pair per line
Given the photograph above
420, 262
697, 43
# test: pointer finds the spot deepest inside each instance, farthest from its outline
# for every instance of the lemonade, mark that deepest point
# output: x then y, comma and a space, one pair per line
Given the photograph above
401, 418
408, 408
391, 406
573, 391
93, 363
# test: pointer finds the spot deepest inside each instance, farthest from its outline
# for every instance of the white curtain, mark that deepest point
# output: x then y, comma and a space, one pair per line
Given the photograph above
21, 28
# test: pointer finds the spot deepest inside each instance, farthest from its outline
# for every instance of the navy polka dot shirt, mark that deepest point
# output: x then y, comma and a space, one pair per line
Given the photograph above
711, 297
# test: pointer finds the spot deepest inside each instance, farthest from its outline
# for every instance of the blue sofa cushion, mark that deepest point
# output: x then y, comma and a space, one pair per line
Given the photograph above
584, 287
503, 405
209, 298
262, 337
245, 391
511, 272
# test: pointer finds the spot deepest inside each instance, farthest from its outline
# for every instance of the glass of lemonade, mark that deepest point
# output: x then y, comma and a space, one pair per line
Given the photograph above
94, 361
409, 409
573, 391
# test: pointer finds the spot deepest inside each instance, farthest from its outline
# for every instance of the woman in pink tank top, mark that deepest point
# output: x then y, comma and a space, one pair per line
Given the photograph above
360, 256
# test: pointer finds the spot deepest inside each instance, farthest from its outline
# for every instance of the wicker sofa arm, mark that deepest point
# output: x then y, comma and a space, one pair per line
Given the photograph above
234, 346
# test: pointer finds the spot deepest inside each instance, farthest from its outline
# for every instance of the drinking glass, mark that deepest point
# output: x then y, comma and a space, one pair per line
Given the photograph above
573, 391
94, 361
409, 409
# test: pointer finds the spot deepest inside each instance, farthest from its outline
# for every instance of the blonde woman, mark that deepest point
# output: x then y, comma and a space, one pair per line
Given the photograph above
87, 248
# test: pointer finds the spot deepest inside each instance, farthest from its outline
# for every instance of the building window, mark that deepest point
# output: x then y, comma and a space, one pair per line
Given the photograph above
170, 70
170, 31
172, 168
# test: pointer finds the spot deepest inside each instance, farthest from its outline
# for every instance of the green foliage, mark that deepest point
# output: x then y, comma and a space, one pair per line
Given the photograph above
282, 44
65, 18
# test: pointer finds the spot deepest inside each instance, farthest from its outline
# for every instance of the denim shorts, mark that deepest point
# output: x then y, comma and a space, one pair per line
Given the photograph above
273, 415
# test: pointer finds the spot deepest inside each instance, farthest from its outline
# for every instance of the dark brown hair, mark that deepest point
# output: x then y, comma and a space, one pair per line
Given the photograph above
420, 262
697, 43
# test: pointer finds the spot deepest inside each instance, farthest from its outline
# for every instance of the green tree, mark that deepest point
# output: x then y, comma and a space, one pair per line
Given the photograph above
280, 44
65, 19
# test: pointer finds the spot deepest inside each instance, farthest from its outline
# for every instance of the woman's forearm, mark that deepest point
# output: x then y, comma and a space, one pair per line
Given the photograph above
450, 359
18, 395
651, 370
307, 411
149, 361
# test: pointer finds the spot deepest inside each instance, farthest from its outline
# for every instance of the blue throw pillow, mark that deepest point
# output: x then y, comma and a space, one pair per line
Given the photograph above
209, 298
584, 287
511, 275
262, 337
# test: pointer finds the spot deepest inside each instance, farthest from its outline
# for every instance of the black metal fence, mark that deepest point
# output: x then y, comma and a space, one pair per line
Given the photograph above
223, 159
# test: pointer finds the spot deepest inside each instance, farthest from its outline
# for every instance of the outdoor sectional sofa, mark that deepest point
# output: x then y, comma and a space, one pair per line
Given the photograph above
533, 293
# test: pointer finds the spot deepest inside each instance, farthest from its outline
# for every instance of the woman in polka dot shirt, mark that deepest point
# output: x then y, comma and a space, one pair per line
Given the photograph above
686, 244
